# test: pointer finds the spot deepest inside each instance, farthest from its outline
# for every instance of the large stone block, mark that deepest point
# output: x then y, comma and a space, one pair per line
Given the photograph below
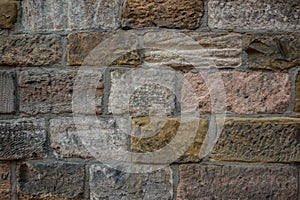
51, 180
50, 91
297, 102
268, 51
163, 13
109, 183
7, 92
254, 15
237, 182
22, 138
259, 139
9, 12
192, 49
30, 50
236, 92
4, 181
60, 15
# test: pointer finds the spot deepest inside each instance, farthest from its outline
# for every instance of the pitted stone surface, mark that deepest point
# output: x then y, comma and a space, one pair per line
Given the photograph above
254, 15
22, 138
7, 92
4, 181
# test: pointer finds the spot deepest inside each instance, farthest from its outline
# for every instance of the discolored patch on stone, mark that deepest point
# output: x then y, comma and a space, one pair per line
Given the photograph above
9, 12
297, 101
22, 138
50, 91
4, 181
61, 15
254, 15
236, 92
50, 180
7, 92
259, 139
237, 182
32, 50
192, 49
106, 182
166, 13
269, 51
151, 134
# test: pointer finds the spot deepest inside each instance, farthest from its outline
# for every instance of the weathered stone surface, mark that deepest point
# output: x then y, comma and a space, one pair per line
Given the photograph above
164, 13
254, 15
8, 16
269, 51
30, 49
151, 134
297, 102
4, 181
51, 180
108, 183
80, 45
141, 92
237, 182
22, 138
7, 92
50, 90
192, 49
244, 92
259, 139
84, 137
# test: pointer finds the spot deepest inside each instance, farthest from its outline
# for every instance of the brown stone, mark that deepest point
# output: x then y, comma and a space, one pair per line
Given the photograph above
237, 182
152, 134
163, 13
7, 92
8, 16
4, 181
297, 102
259, 139
268, 51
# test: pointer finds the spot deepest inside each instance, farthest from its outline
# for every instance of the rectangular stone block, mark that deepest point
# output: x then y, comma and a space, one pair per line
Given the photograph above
269, 51
192, 49
9, 12
51, 91
4, 181
7, 92
60, 15
109, 183
258, 139
33, 50
50, 180
236, 92
297, 101
183, 137
237, 182
102, 49
22, 138
254, 15
87, 137
142, 92
165, 13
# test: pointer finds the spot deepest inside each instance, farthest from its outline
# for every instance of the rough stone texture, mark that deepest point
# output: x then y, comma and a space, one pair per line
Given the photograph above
192, 49
268, 51
80, 45
4, 181
108, 183
237, 182
246, 92
22, 138
8, 16
51, 180
7, 92
163, 13
297, 102
50, 90
85, 139
141, 92
254, 15
151, 134
60, 15
31, 50
259, 139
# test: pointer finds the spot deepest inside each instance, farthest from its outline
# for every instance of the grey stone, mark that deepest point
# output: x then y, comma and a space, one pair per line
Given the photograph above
7, 92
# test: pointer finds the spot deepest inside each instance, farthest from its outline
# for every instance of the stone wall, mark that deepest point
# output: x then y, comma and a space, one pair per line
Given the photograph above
156, 99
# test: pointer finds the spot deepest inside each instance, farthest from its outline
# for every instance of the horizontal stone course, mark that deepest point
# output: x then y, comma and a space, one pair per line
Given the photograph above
7, 92
4, 181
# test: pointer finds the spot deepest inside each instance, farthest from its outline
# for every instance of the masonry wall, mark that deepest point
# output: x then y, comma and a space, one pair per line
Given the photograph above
157, 99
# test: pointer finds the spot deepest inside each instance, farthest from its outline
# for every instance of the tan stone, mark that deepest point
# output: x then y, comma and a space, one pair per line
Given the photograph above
297, 102
8, 14
4, 181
